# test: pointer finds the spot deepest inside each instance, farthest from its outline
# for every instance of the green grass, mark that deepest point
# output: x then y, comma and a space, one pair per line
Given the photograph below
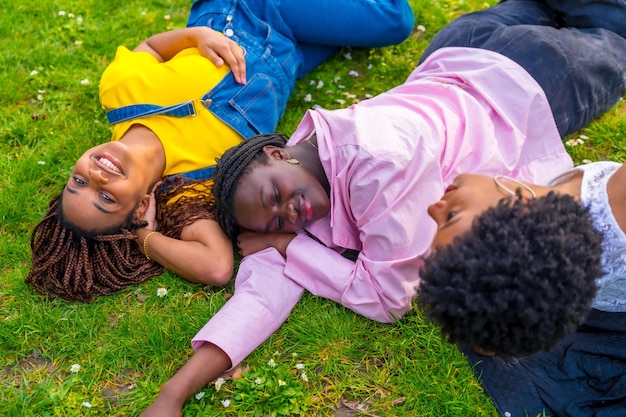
129, 344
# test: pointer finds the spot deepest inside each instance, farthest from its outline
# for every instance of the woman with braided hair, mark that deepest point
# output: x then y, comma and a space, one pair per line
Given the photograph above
359, 180
173, 112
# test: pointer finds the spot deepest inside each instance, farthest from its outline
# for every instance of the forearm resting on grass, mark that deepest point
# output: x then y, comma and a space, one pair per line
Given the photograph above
203, 254
213, 45
208, 363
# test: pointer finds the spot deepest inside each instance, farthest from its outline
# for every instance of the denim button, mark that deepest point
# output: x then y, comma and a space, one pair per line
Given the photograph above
229, 32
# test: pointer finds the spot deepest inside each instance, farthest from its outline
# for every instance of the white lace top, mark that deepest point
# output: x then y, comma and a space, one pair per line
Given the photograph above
611, 294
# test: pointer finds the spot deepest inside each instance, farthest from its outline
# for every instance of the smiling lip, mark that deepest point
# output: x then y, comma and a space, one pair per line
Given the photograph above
306, 212
451, 187
109, 164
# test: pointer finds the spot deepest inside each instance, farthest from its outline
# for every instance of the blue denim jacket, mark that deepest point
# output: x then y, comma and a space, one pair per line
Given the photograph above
271, 57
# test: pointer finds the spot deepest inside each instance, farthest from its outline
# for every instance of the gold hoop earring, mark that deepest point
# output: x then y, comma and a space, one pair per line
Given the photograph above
293, 161
497, 179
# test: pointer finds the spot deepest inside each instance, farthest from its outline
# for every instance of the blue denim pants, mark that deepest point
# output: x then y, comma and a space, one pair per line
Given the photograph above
581, 69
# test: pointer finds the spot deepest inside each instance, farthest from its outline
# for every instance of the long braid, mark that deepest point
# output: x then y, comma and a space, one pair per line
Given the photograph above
78, 267
231, 167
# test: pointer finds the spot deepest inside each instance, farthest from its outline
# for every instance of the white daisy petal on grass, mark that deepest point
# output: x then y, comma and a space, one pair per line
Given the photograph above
281, 383
75, 368
218, 383
199, 395
353, 73
161, 292
61, 13
167, 17
304, 377
225, 402
271, 363
33, 73
299, 366
84, 81
421, 28
308, 98
258, 381
87, 404
41, 162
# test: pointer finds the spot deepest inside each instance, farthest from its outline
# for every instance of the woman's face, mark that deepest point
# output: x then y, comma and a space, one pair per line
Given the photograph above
279, 197
105, 185
468, 196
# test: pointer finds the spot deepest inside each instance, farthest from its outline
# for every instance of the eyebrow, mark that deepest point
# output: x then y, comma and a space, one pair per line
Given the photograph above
96, 205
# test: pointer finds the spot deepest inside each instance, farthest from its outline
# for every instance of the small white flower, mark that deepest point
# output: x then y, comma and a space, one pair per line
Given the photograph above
320, 84
41, 162
341, 86
78, 43
312, 82
258, 381
580, 141
586, 161
353, 73
199, 395
421, 28
294, 355
70, 15
571, 142
304, 377
218, 383
281, 383
336, 79
347, 55
161, 292
271, 363
39, 97
308, 98
87, 404
299, 366
84, 81
143, 13
341, 101
41, 91
167, 17
61, 13
368, 95
370, 66
225, 402
584, 137
33, 73
75, 368
79, 20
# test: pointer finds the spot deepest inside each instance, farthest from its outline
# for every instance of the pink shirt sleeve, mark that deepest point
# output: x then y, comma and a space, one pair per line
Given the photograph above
262, 301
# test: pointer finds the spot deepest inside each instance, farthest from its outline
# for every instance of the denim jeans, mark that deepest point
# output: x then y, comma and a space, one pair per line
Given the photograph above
581, 70
285, 39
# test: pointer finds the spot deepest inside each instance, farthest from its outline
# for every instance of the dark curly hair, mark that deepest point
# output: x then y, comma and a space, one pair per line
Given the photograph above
231, 167
519, 281
79, 265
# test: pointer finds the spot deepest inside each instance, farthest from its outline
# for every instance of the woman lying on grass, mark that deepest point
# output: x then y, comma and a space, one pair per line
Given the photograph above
173, 112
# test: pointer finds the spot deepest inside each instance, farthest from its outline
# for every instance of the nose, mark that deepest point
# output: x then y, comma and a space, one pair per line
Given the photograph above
437, 211
96, 175
290, 212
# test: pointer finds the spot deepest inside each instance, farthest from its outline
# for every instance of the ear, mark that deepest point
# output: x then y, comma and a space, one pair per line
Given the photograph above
142, 207
274, 152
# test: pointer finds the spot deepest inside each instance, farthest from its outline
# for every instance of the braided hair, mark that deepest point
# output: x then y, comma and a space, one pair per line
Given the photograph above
231, 167
520, 280
77, 265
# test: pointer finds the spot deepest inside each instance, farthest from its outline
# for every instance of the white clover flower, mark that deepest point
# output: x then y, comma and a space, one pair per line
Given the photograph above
225, 402
167, 17
353, 73
320, 84
258, 381
41, 162
218, 383
304, 377
75, 368
308, 98
421, 28
161, 292
61, 13
299, 366
33, 73
199, 395
87, 404
85, 81
271, 363
347, 55
281, 383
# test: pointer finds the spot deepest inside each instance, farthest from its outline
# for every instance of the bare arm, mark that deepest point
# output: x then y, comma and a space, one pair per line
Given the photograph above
203, 254
204, 366
213, 45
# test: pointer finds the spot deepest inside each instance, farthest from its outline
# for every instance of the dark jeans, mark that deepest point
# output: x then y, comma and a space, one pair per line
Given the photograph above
581, 69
